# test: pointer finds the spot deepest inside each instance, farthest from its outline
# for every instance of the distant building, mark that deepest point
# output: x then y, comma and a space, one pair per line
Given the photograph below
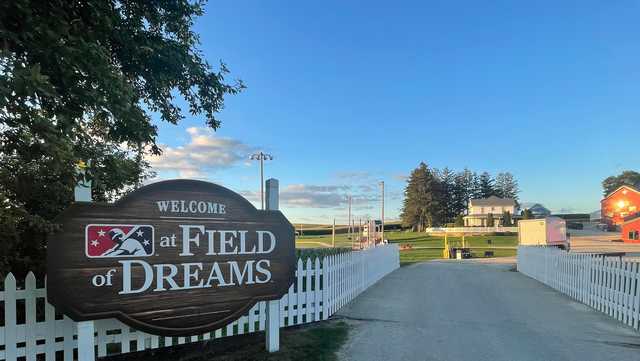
595, 216
538, 210
621, 203
479, 210
631, 229
377, 227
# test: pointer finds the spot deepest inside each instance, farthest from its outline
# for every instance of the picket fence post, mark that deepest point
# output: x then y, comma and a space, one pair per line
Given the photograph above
86, 329
273, 307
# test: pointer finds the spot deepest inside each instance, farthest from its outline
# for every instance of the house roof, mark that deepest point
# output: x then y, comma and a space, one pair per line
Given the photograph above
631, 218
493, 201
538, 208
618, 189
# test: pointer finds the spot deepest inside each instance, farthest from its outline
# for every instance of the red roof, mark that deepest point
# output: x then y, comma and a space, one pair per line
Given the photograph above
619, 188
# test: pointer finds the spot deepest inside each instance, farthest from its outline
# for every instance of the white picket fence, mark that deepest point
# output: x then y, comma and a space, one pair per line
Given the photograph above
608, 284
497, 229
321, 288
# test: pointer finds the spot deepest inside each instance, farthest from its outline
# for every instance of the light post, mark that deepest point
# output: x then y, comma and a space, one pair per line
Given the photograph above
261, 157
382, 211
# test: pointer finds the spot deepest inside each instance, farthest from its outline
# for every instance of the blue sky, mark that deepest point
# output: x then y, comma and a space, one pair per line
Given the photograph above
345, 94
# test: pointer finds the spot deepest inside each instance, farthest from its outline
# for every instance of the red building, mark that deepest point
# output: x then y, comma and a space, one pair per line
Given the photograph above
621, 203
631, 230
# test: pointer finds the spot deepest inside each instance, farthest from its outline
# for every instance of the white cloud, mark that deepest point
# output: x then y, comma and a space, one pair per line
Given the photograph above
354, 175
319, 196
205, 152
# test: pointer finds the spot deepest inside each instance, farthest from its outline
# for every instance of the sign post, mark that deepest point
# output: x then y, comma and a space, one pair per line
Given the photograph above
173, 258
273, 307
86, 329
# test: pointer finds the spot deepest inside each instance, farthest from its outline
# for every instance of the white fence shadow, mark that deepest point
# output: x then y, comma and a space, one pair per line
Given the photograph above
32, 327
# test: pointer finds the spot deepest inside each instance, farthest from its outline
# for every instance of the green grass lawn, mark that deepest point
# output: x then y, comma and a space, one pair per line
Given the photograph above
424, 247
322, 241
318, 341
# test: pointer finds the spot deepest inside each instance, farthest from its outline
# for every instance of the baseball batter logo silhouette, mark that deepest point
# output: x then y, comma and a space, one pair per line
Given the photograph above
118, 240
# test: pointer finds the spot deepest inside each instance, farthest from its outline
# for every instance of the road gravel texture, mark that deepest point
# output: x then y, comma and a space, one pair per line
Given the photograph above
460, 310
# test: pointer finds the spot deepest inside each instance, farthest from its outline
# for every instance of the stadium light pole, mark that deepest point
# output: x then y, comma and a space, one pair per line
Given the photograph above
261, 157
382, 210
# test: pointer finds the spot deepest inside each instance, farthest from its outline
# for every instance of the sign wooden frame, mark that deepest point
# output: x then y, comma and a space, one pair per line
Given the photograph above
254, 251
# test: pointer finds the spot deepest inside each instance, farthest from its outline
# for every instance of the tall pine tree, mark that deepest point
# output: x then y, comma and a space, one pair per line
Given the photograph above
422, 207
485, 185
448, 195
506, 186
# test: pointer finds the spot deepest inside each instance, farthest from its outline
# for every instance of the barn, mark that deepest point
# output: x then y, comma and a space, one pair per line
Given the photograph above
619, 204
631, 229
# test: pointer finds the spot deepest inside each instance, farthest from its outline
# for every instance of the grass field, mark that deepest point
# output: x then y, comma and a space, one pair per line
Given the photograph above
313, 342
424, 247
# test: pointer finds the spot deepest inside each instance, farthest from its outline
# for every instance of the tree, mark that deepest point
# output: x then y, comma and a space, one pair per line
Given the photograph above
628, 177
490, 220
459, 220
506, 186
526, 214
463, 190
485, 185
79, 81
421, 206
447, 180
475, 188
506, 219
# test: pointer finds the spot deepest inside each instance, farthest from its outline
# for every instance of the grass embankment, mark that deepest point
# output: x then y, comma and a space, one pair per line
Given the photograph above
315, 342
424, 247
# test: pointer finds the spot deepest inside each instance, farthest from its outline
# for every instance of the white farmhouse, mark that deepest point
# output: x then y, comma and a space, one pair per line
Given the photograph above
479, 210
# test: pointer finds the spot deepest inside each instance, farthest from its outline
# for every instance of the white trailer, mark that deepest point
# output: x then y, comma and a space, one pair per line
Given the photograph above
548, 231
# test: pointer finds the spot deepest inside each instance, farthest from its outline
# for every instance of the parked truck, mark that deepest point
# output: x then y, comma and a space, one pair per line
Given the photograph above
548, 231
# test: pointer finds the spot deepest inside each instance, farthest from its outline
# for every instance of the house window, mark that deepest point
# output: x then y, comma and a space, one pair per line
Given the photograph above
634, 235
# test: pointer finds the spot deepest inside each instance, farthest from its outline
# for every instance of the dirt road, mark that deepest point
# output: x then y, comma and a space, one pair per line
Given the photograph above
459, 310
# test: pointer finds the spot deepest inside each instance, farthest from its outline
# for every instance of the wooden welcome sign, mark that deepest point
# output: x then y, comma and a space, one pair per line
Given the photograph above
173, 258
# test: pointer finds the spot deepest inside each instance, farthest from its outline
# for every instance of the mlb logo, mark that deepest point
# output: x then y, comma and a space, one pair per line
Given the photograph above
118, 240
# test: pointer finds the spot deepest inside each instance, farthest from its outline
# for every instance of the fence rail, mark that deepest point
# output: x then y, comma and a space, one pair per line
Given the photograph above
608, 284
471, 229
321, 288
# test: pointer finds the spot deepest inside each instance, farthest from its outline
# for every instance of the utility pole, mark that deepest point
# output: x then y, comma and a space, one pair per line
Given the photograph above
333, 234
349, 224
261, 157
359, 232
382, 210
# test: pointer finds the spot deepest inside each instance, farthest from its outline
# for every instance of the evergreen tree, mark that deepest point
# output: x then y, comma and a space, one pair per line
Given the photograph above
447, 180
490, 220
486, 185
421, 207
506, 219
475, 189
506, 186
463, 191
459, 220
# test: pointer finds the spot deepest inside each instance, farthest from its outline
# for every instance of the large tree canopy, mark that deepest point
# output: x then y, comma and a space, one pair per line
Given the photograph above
628, 177
78, 81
